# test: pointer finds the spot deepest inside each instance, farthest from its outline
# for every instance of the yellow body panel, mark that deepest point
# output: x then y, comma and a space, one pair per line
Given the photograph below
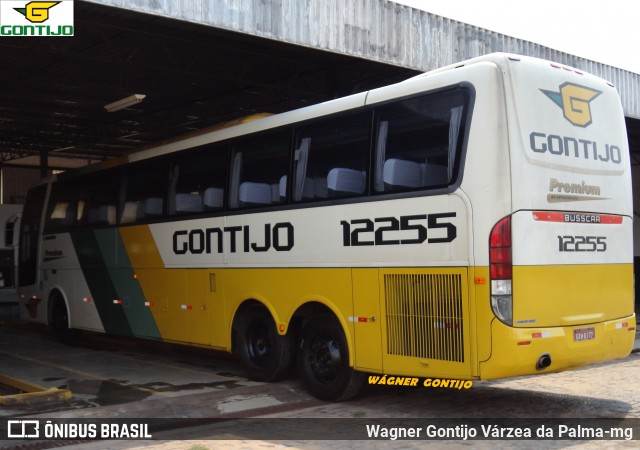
401, 321
186, 304
141, 248
551, 302
197, 306
564, 295
516, 350
368, 334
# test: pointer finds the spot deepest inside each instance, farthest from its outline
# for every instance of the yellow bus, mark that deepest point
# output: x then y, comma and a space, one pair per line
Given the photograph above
474, 222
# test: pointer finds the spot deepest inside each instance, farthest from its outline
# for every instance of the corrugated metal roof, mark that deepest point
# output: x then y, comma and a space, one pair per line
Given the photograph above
378, 30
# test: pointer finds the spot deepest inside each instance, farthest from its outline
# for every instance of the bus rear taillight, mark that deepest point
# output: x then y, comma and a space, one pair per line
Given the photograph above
500, 268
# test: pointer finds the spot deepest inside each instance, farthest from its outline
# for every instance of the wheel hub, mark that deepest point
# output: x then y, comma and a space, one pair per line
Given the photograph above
325, 358
259, 345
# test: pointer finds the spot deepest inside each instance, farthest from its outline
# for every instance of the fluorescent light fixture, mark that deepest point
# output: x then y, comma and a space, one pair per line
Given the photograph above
125, 102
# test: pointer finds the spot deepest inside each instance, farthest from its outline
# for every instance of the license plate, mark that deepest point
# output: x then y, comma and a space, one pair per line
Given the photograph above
584, 334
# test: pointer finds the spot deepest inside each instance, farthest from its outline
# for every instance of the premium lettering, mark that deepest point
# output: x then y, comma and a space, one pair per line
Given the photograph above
573, 188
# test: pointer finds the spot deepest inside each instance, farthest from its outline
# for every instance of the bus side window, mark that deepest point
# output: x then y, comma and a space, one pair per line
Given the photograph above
63, 210
198, 179
417, 141
258, 170
100, 192
145, 191
331, 158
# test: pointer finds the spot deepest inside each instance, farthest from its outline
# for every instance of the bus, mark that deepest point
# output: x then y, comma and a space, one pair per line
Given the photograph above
9, 223
470, 223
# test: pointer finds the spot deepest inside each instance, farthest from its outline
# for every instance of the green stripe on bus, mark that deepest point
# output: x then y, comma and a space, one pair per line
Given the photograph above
103, 292
128, 288
105, 265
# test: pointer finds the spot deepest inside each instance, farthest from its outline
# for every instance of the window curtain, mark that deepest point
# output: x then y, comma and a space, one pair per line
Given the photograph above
234, 190
302, 156
381, 145
454, 132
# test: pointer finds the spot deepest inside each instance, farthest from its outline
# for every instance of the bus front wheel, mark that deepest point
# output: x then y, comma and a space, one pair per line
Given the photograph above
265, 354
324, 361
60, 319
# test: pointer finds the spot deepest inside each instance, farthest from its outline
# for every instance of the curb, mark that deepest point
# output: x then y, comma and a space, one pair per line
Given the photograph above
31, 393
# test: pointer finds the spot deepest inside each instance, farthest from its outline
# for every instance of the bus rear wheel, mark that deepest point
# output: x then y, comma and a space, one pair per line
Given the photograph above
324, 361
265, 354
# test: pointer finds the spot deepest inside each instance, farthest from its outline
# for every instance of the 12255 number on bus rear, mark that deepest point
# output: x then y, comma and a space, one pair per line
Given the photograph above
582, 243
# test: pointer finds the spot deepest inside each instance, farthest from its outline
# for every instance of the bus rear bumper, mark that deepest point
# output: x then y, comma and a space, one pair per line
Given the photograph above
526, 351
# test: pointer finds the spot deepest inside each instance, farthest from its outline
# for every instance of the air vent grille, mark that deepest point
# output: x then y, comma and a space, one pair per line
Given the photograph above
424, 316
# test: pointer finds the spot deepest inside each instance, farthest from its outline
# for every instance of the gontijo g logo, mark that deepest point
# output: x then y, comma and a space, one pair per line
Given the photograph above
574, 101
36, 18
36, 12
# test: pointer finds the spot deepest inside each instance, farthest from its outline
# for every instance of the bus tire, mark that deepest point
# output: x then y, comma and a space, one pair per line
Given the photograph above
264, 353
60, 319
324, 361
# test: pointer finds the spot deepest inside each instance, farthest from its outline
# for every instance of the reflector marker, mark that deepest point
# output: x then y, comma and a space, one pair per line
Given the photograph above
87, 299
541, 335
149, 304
186, 307
117, 302
622, 325
361, 319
